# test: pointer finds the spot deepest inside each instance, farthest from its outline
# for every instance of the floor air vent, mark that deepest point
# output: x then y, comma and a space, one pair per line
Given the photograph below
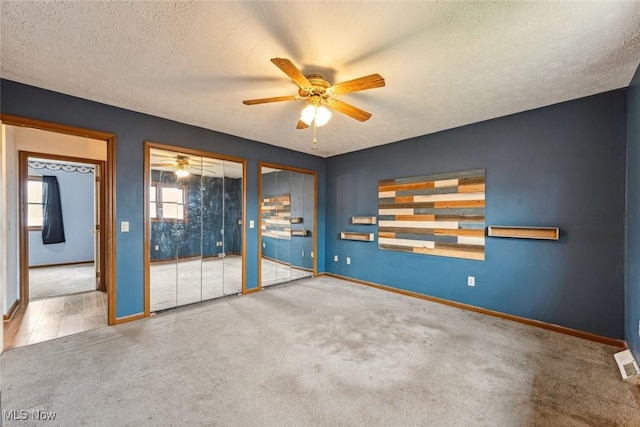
628, 366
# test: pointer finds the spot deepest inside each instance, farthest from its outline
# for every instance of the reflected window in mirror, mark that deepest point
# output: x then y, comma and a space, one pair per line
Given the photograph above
167, 202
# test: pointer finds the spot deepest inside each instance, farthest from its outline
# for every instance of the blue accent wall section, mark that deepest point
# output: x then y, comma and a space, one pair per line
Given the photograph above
131, 130
76, 196
632, 255
563, 165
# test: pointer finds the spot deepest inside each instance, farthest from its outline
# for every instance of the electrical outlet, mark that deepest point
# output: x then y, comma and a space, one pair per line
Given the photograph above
471, 281
311, 254
348, 260
264, 245
157, 247
302, 254
335, 258
124, 226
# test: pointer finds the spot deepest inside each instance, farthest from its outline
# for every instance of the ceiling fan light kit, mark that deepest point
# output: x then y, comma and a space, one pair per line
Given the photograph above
320, 115
181, 172
316, 90
181, 163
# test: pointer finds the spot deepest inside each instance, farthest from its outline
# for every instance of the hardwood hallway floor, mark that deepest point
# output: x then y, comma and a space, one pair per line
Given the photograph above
50, 318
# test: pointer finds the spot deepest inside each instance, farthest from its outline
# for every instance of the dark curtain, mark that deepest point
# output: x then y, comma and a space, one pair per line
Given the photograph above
52, 227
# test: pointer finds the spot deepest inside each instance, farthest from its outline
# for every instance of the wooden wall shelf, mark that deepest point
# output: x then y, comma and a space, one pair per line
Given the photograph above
352, 235
368, 220
519, 232
300, 232
296, 220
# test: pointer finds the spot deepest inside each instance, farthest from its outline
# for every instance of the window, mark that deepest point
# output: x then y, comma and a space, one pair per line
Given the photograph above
167, 202
34, 200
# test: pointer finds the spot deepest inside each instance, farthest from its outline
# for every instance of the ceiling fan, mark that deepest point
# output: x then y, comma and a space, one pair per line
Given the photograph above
319, 92
181, 163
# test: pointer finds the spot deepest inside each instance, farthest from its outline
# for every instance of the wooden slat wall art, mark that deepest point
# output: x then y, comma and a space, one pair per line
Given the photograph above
434, 214
275, 216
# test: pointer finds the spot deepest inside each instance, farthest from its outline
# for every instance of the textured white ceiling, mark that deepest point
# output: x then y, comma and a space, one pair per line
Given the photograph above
446, 64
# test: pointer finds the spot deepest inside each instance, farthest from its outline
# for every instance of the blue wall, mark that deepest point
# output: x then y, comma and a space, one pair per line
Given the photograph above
632, 255
131, 130
76, 196
562, 165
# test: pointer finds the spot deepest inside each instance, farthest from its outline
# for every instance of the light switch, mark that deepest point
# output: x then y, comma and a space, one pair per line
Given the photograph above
124, 226
251, 224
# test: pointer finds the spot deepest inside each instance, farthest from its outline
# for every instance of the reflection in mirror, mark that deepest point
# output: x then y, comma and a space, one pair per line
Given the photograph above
232, 241
286, 226
195, 209
188, 231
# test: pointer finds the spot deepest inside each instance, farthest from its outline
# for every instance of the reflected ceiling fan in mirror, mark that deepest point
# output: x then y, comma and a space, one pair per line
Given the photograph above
181, 163
321, 94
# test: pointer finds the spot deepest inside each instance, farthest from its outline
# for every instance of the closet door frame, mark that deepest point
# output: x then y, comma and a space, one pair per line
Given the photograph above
148, 145
314, 174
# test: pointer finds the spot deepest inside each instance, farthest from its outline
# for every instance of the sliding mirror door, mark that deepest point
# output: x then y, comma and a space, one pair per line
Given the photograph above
166, 195
233, 241
222, 266
195, 227
287, 224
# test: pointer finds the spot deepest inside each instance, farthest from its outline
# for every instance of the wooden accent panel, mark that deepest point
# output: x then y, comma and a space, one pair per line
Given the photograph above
441, 215
351, 235
523, 320
545, 233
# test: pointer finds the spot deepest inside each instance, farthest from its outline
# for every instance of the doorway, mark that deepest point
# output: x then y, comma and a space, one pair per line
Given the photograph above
75, 293
63, 221
62, 248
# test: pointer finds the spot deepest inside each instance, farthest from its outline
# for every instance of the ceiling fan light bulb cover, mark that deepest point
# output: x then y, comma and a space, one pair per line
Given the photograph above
181, 173
308, 114
323, 114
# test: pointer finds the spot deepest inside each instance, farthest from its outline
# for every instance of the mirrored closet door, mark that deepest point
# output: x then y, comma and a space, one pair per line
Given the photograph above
195, 206
287, 224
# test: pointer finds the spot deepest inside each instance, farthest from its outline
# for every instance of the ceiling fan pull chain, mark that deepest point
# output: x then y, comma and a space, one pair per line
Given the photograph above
314, 147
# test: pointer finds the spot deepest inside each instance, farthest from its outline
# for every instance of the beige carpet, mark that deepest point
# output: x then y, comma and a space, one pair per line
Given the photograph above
319, 352
49, 282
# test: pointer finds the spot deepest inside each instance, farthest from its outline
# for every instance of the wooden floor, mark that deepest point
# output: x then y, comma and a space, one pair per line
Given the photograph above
46, 319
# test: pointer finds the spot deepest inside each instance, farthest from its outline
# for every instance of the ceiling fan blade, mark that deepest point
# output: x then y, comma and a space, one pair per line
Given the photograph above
293, 72
348, 109
363, 83
302, 125
272, 99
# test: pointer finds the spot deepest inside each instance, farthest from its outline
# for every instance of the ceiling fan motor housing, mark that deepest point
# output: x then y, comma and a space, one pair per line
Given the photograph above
319, 86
